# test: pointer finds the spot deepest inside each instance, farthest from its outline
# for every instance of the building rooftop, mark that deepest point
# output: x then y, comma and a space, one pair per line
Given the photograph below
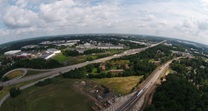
12, 52
53, 50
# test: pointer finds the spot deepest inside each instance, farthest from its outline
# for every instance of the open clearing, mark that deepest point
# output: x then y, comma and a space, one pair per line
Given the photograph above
120, 85
58, 96
15, 74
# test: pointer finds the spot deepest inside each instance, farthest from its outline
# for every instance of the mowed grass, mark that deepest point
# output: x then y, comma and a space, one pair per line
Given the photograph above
32, 72
119, 85
15, 74
59, 96
60, 57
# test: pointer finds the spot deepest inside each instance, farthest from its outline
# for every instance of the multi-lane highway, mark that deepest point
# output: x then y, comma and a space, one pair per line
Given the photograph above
142, 91
61, 70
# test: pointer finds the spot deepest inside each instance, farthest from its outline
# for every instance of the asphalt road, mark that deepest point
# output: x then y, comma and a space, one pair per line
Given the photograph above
57, 71
129, 104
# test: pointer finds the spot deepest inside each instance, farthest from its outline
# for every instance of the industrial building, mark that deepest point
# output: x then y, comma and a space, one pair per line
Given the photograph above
12, 52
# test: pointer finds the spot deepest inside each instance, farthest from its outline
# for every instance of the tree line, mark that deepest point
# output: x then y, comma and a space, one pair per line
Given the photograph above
38, 63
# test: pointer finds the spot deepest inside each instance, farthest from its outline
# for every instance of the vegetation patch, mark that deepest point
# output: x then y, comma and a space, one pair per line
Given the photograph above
185, 89
119, 85
60, 57
43, 83
14, 92
15, 74
32, 72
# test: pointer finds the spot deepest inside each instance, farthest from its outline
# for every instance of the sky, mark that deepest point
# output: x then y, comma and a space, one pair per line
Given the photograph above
182, 19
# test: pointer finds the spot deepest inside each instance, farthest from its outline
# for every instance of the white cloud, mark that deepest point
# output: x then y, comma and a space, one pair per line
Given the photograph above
204, 2
16, 17
203, 25
21, 3
189, 23
149, 18
175, 18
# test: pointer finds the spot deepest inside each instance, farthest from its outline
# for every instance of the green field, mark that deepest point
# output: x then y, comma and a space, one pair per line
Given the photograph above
60, 57
120, 85
15, 74
59, 96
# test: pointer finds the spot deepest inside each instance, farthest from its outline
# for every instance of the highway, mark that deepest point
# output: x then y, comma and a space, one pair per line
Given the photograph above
147, 85
58, 71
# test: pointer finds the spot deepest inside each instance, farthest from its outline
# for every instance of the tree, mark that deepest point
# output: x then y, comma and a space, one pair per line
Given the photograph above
98, 70
70, 52
76, 74
109, 75
5, 78
176, 94
14, 92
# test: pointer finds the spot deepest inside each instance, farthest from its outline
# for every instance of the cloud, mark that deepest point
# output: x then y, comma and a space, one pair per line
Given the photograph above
189, 23
17, 17
31, 18
204, 2
22, 3
203, 25
149, 18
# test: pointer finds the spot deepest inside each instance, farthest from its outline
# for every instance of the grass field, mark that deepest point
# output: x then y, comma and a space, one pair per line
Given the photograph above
6, 89
31, 72
15, 74
60, 57
59, 96
120, 85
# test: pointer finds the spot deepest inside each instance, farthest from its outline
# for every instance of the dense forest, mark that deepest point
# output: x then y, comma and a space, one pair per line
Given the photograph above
184, 90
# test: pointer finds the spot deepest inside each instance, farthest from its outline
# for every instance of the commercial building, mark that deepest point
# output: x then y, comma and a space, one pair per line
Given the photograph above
30, 46
53, 50
50, 53
12, 52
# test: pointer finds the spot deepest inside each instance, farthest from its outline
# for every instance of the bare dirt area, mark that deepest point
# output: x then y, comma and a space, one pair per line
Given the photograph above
100, 94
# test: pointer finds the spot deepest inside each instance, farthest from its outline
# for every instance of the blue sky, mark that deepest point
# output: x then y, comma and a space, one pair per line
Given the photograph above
183, 19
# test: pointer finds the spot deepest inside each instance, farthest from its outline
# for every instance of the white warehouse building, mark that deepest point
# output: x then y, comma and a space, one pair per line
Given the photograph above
53, 50
12, 52
50, 53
